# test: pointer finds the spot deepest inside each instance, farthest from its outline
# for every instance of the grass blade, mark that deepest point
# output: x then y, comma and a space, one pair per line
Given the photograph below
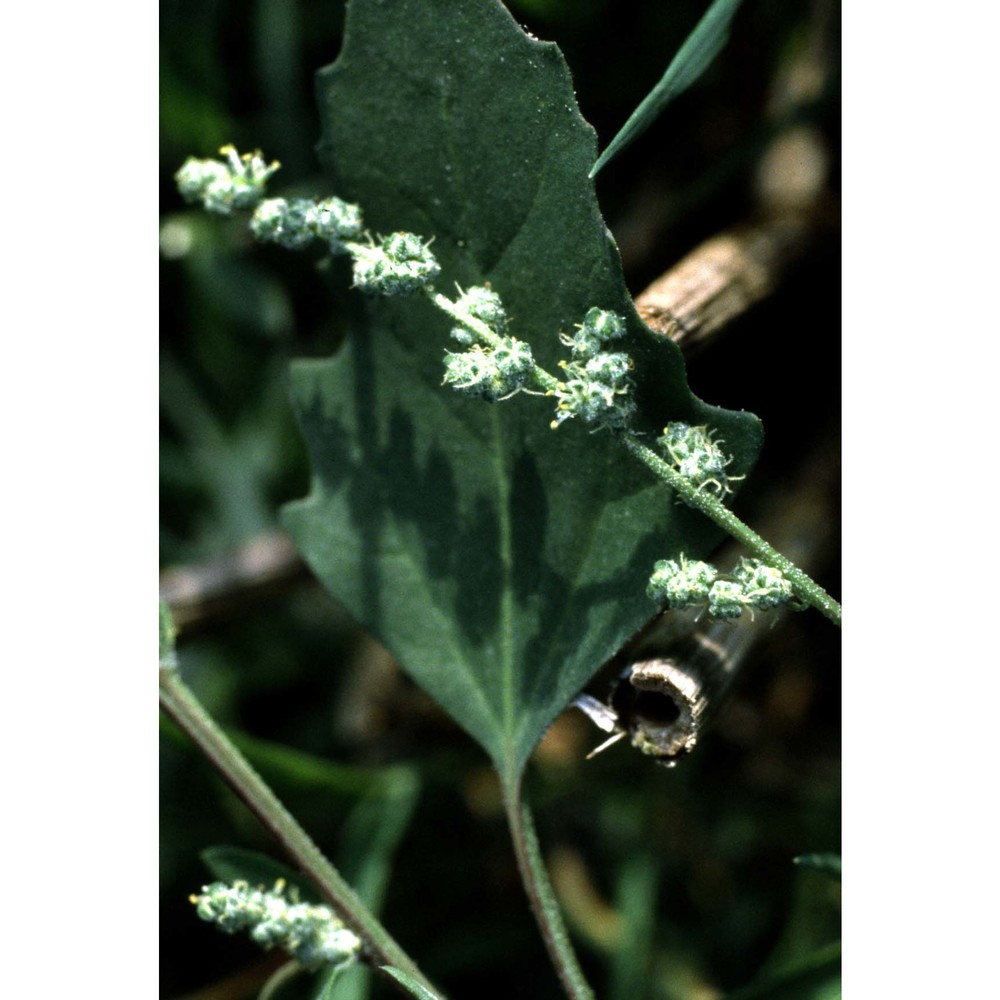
693, 58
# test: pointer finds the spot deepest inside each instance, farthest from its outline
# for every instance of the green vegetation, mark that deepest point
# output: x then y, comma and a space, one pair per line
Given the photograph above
499, 549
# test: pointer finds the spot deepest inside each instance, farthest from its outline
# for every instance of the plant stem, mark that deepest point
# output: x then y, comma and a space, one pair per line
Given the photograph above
540, 894
184, 708
805, 587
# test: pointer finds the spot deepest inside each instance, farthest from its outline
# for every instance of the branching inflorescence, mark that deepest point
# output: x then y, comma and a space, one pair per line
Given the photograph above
496, 368
495, 365
598, 386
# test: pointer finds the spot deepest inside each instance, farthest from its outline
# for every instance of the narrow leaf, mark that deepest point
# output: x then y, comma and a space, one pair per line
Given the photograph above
826, 864
816, 977
415, 989
693, 58
168, 637
331, 982
232, 864
282, 982
373, 832
635, 898
501, 562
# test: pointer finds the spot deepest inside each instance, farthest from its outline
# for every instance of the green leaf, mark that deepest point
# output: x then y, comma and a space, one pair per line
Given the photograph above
284, 983
635, 897
501, 562
231, 864
374, 829
331, 981
415, 989
308, 773
692, 59
168, 637
826, 864
816, 977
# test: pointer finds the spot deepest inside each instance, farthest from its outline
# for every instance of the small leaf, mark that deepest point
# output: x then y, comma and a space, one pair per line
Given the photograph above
500, 561
331, 981
374, 829
692, 59
232, 864
826, 864
415, 988
306, 772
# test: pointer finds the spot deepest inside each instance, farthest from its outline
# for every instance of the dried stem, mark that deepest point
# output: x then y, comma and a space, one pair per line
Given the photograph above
723, 277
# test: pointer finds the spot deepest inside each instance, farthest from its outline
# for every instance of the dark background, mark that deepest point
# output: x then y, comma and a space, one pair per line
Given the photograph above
699, 855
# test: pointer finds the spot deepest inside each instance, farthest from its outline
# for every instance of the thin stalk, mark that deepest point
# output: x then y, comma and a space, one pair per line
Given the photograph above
482, 330
545, 381
806, 589
542, 898
180, 703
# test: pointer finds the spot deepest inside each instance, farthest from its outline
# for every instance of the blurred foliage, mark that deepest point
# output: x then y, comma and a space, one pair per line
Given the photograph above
677, 884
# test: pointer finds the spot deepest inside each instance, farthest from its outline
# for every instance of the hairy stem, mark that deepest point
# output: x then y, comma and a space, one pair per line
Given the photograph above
542, 898
806, 589
180, 703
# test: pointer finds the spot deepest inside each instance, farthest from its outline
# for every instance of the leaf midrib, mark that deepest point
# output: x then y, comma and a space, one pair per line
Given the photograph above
504, 722
507, 590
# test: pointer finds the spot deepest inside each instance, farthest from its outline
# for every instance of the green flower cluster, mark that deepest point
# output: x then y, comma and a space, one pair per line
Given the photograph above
399, 264
491, 373
597, 385
763, 586
681, 584
294, 223
493, 370
484, 305
598, 327
689, 583
220, 186
696, 455
312, 934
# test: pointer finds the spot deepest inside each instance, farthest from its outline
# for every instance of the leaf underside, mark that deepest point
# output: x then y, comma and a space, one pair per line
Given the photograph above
500, 561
